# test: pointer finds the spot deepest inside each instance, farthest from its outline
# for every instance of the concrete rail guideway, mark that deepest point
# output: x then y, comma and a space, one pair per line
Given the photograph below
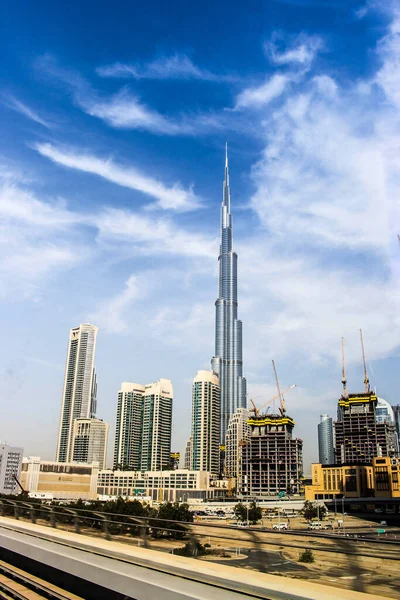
142, 574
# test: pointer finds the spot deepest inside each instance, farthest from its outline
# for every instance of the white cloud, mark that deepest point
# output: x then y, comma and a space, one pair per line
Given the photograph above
153, 236
25, 110
168, 198
177, 66
303, 50
110, 314
259, 96
123, 110
35, 240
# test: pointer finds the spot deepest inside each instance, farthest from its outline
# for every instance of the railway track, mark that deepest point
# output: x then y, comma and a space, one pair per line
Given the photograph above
18, 585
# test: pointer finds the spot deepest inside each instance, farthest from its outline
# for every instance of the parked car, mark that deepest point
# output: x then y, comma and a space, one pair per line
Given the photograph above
383, 523
280, 526
315, 525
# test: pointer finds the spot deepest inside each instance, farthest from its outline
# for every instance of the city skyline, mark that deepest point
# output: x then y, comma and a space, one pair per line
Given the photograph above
110, 178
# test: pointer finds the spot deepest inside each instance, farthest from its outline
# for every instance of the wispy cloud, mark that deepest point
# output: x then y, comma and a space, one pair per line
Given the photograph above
125, 110
23, 109
168, 198
110, 314
258, 96
153, 236
302, 50
177, 66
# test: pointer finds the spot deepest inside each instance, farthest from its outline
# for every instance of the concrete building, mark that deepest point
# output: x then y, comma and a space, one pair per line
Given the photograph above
90, 438
272, 460
161, 486
237, 433
396, 416
326, 450
128, 428
228, 361
59, 480
359, 437
10, 467
380, 479
206, 422
143, 426
80, 386
187, 459
174, 460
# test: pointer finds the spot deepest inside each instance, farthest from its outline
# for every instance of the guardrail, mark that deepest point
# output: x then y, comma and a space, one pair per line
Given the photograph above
148, 528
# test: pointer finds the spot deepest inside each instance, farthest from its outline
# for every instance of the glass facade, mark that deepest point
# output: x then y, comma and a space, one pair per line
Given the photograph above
227, 362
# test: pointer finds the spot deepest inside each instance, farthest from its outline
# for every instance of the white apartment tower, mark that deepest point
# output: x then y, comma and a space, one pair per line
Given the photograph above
90, 441
80, 386
143, 426
10, 468
206, 422
238, 431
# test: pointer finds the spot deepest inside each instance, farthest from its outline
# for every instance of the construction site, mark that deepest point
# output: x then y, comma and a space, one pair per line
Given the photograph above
271, 459
358, 436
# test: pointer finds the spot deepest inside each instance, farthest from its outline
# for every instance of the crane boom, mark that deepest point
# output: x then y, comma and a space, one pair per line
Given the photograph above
366, 380
344, 380
256, 409
282, 406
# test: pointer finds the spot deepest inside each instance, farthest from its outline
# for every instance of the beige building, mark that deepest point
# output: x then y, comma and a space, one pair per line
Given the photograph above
90, 441
160, 486
206, 422
59, 480
80, 386
379, 480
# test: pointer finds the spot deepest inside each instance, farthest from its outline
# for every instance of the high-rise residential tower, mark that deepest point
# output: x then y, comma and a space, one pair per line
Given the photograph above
325, 440
10, 467
206, 422
227, 362
90, 441
157, 426
143, 426
238, 432
80, 386
128, 428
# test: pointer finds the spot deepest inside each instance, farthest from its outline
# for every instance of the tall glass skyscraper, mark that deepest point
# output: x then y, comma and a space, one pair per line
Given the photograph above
227, 362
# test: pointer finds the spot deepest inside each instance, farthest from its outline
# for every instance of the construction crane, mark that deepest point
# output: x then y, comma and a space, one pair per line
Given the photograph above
344, 380
256, 410
282, 408
366, 380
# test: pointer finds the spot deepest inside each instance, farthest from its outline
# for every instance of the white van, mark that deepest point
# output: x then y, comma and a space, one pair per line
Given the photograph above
315, 525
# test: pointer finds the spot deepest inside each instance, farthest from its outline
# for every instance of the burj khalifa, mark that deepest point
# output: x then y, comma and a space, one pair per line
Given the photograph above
227, 361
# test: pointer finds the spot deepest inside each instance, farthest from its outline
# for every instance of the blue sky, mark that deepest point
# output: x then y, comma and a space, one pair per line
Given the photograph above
114, 119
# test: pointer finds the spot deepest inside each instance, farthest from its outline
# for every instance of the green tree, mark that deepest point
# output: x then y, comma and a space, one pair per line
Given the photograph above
312, 510
163, 525
255, 513
240, 512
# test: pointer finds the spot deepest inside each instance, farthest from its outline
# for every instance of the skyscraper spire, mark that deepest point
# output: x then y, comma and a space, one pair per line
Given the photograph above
227, 361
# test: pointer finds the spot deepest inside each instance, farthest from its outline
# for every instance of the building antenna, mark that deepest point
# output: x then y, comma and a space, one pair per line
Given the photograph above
344, 380
366, 380
282, 408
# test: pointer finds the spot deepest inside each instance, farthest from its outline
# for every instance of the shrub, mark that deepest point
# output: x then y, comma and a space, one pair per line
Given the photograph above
307, 556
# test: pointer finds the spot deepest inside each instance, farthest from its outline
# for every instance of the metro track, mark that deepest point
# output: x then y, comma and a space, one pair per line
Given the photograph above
19, 585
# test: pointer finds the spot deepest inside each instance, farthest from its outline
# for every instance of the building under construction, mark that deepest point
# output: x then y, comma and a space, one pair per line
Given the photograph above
272, 460
358, 436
